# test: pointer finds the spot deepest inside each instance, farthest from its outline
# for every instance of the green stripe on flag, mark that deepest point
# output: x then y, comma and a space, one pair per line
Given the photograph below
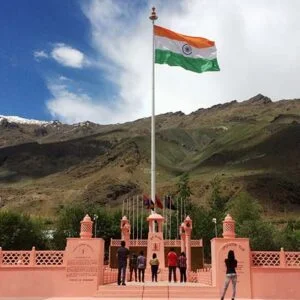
198, 65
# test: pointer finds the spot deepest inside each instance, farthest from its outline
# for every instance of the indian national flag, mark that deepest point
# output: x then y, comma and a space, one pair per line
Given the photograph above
191, 53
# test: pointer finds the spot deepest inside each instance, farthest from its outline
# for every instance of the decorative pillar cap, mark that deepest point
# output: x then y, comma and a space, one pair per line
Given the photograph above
86, 227
87, 218
228, 218
228, 227
155, 217
188, 218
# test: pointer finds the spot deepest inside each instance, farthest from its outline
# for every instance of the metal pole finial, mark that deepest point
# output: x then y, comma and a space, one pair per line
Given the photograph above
153, 15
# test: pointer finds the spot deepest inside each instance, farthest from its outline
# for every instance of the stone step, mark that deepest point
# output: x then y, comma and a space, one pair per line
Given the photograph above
156, 291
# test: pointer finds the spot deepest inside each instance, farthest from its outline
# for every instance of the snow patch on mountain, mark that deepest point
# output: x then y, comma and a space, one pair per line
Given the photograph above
16, 119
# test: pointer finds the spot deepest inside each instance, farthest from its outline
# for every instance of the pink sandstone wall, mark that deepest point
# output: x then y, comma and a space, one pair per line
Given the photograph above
241, 248
80, 272
33, 282
270, 283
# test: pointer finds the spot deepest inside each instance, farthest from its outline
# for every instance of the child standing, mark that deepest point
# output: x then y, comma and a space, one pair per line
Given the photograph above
154, 263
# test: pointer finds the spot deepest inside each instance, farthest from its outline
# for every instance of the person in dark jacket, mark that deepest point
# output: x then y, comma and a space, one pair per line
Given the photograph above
133, 266
122, 254
231, 264
141, 265
182, 266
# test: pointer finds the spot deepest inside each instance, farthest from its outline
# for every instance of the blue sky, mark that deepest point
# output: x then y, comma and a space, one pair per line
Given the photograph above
27, 26
83, 60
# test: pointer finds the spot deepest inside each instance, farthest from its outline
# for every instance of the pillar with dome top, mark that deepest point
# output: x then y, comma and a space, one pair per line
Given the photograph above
155, 237
220, 246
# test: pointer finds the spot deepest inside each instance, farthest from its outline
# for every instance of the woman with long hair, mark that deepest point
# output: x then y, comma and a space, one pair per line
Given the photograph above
231, 264
154, 263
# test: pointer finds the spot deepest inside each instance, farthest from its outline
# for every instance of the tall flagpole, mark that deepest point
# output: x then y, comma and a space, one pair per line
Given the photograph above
153, 17
142, 215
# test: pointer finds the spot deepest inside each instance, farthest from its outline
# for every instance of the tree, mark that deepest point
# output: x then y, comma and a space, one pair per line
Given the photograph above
289, 236
260, 233
247, 213
217, 200
244, 208
68, 224
184, 192
20, 232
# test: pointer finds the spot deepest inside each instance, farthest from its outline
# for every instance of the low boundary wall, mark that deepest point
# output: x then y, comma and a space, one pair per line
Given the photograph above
79, 270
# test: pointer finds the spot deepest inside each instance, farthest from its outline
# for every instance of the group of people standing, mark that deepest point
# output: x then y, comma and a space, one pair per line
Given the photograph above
173, 262
137, 266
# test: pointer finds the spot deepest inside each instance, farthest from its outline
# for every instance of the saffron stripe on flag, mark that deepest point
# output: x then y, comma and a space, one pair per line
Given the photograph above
197, 42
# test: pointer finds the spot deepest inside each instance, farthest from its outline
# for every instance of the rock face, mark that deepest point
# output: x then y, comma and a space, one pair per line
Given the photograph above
259, 99
41, 131
43, 165
4, 123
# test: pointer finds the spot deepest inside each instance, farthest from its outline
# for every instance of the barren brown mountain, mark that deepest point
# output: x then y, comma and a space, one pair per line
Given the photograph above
252, 145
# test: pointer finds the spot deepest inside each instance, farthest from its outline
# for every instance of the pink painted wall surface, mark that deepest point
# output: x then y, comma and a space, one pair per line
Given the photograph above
241, 249
84, 260
33, 282
80, 274
77, 271
270, 283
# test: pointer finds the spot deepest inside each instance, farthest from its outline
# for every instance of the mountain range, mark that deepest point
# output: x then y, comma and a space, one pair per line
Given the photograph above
252, 145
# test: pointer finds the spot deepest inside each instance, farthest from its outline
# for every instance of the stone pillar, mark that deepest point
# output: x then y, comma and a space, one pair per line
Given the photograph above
188, 225
156, 239
182, 237
219, 252
282, 258
83, 259
125, 231
32, 257
86, 227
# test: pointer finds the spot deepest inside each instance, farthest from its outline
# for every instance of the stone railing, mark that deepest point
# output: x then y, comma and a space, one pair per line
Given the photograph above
132, 243
279, 259
144, 243
172, 243
31, 258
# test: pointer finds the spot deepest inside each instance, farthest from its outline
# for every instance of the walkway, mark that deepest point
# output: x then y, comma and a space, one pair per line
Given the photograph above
146, 291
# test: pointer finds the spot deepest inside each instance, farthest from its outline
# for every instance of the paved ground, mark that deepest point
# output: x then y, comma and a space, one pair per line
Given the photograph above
125, 298
110, 298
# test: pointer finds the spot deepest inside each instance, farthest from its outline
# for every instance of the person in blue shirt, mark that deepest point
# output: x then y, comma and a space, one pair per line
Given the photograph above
231, 264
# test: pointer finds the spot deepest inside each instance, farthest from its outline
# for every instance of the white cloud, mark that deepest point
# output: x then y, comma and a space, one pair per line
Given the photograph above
68, 56
40, 54
71, 107
257, 51
64, 78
